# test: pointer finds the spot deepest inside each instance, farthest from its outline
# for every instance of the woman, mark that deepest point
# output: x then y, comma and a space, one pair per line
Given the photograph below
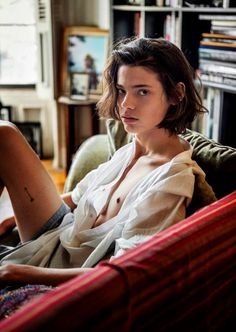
142, 190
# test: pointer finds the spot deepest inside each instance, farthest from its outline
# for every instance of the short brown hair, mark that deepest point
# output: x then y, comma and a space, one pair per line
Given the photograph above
165, 59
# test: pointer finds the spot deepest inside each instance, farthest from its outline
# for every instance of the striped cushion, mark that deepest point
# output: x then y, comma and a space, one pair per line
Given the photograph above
183, 279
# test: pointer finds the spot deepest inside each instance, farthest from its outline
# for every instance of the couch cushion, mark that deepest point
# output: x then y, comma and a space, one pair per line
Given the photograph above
182, 279
217, 161
203, 195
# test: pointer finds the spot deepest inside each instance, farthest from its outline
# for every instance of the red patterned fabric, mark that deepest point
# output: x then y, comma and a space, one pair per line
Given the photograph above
183, 279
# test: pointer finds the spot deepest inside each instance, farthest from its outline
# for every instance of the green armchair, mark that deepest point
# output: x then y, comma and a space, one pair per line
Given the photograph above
91, 153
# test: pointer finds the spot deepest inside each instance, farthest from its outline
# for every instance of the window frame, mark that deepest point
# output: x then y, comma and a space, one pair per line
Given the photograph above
26, 23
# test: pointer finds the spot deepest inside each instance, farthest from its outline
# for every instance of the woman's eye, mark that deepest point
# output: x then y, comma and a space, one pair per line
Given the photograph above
143, 92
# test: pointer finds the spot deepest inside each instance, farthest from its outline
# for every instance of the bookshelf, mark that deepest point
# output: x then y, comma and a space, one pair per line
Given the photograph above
191, 27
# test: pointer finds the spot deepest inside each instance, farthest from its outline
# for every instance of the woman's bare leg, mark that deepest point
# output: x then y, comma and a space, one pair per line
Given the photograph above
32, 192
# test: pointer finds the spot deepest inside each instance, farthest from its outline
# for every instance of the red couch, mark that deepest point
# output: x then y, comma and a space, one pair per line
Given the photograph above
183, 279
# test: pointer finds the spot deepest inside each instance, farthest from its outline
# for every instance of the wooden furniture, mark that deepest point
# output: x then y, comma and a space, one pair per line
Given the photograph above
70, 108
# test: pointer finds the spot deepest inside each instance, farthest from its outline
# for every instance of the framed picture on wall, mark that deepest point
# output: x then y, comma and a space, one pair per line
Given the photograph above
85, 51
79, 86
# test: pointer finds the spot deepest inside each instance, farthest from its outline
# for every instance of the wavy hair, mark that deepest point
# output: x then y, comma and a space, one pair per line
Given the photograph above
171, 66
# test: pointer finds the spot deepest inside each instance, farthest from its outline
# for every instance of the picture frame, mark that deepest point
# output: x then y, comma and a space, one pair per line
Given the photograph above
85, 50
79, 86
5, 113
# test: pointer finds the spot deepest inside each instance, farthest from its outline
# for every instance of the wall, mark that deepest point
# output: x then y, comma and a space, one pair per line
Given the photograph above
40, 104
92, 12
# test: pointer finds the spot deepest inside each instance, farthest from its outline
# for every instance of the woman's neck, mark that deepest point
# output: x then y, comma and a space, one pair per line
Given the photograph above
158, 142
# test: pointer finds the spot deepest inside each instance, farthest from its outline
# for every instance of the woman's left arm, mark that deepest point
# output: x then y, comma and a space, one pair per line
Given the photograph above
27, 274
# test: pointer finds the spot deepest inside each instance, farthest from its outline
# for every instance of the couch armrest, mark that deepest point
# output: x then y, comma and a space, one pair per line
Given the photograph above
182, 279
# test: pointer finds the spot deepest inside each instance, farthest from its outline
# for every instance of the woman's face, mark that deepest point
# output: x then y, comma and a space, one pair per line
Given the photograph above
142, 102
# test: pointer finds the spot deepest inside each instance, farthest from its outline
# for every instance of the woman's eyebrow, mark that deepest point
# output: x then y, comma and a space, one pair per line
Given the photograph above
135, 86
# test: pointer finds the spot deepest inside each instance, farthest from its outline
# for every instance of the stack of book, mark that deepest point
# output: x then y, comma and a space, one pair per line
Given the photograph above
217, 51
209, 124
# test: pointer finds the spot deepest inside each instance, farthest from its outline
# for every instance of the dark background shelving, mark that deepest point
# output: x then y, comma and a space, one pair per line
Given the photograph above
187, 31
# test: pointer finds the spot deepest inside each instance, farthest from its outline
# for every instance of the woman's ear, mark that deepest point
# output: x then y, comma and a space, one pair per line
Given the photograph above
179, 93
180, 89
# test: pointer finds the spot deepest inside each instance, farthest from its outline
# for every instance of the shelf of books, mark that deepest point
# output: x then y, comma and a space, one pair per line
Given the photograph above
217, 67
206, 33
217, 51
209, 123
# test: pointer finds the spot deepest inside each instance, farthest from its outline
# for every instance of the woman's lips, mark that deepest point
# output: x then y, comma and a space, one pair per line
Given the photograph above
129, 119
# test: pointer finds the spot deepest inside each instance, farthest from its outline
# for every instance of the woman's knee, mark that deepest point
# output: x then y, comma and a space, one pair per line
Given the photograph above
8, 133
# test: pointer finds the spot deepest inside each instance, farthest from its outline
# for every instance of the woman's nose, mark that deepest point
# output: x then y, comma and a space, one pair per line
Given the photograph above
128, 102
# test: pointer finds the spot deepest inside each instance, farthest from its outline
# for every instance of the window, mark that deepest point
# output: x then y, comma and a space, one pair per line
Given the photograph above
18, 50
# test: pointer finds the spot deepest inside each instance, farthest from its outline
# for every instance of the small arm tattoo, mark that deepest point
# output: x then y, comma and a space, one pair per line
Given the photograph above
28, 194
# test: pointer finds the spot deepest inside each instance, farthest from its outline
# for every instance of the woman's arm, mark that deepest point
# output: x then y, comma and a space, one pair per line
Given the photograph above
27, 274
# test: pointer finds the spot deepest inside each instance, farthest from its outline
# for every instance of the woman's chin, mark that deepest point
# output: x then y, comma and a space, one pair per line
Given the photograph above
130, 125
130, 129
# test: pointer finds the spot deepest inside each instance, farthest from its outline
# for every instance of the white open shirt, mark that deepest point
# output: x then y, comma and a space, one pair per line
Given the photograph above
154, 203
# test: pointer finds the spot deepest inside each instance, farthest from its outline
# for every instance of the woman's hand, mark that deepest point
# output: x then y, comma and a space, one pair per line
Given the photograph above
7, 224
68, 200
27, 274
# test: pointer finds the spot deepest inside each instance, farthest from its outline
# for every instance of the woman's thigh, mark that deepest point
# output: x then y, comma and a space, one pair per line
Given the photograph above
32, 192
